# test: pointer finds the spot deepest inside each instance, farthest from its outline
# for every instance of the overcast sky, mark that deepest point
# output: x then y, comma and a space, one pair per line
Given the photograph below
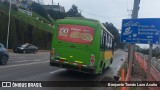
112, 11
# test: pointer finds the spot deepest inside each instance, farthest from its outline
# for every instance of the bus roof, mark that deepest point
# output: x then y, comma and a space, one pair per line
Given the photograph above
81, 18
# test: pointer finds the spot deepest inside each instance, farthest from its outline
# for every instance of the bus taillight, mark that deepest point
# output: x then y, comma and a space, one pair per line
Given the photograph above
92, 59
52, 53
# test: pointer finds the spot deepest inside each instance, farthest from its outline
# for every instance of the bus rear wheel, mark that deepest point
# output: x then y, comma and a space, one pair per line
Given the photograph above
111, 61
103, 67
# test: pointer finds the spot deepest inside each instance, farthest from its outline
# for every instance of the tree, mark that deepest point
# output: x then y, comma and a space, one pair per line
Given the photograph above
40, 10
57, 14
73, 12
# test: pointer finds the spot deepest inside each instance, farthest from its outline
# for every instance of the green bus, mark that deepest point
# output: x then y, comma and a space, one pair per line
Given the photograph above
81, 44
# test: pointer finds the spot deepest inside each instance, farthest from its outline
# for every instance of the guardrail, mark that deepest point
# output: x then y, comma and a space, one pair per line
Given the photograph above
154, 70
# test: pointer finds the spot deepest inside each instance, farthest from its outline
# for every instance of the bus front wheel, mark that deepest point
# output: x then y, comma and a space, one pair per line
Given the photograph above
111, 61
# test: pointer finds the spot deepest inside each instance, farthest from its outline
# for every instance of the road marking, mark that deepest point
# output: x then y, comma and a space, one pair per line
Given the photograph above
57, 71
30, 60
24, 64
117, 69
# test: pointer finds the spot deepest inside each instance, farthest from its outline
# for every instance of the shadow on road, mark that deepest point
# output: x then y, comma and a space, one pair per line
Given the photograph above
70, 75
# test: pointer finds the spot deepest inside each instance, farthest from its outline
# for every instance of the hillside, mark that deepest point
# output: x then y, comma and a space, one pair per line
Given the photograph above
28, 19
24, 28
38, 27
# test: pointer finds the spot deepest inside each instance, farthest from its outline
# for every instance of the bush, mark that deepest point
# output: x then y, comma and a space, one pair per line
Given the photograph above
13, 5
40, 10
57, 15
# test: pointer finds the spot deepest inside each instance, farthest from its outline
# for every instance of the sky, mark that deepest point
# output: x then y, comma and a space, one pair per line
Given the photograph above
112, 11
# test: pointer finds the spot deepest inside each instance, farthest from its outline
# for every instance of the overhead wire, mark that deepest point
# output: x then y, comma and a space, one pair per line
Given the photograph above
99, 15
89, 13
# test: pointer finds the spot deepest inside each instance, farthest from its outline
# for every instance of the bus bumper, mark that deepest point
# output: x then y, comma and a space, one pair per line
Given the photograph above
72, 67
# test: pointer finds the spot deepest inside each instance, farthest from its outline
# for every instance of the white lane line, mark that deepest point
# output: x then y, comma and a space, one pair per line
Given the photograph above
31, 60
117, 68
23, 64
57, 71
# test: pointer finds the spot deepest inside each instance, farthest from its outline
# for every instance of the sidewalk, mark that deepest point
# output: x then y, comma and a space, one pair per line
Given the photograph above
138, 75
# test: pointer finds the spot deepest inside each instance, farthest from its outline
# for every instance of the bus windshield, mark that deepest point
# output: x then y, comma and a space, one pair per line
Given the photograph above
75, 33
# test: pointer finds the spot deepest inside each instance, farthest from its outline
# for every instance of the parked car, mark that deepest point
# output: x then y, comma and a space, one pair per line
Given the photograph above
4, 56
25, 48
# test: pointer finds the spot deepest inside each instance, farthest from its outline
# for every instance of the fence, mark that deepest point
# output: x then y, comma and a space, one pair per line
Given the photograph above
154, 70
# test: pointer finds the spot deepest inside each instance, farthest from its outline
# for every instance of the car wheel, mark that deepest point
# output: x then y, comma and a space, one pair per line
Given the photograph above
14, 50
35, 51
24, 51
111, 61
4, 60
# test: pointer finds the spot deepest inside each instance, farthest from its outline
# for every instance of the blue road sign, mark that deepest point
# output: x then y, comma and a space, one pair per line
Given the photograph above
145, 31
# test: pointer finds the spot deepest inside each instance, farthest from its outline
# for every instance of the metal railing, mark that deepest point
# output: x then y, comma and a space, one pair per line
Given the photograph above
154, 70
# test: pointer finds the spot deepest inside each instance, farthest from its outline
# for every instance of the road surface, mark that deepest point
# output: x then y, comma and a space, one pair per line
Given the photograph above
35, 67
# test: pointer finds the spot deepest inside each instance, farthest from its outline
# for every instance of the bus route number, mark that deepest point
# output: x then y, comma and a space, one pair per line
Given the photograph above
63, 32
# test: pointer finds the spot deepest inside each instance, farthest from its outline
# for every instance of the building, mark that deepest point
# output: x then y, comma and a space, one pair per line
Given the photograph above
25, 4
29, 2
54, 7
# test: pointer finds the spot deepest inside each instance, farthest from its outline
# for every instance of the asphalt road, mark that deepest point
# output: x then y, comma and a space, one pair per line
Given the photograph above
35, 67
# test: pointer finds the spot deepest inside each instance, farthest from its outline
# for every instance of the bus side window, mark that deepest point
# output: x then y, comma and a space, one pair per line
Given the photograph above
102, 41
104, 33
106, 42
113, 45
111, 42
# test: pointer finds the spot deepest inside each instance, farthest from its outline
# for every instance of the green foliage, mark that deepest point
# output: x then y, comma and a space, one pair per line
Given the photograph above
22, 8
35, 15
5, 5
32, 21
40, 10
24, 29
57, 14
73, 12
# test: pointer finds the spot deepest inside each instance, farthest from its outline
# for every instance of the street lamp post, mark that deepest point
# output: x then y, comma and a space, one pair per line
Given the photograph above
8, 24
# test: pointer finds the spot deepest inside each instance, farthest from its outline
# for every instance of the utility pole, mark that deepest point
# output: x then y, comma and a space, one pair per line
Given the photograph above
8, 23
52, 4
132, 45
135, 9
38, 1
149, 61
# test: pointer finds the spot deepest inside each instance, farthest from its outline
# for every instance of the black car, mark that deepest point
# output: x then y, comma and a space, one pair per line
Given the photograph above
3, 55
25, 48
